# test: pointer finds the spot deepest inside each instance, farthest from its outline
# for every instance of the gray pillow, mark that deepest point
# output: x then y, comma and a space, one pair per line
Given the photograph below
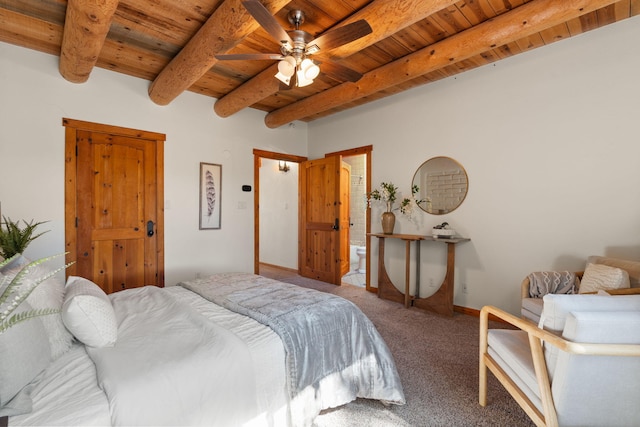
24, 353
19, 261
48, 294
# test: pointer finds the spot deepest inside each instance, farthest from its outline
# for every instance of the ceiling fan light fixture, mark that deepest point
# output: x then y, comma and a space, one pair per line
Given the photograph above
284, 79
297, 45
287, 66
302, 80
310, 69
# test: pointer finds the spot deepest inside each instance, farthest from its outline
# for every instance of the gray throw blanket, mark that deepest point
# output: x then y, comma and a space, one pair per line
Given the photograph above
323, 335
542, 283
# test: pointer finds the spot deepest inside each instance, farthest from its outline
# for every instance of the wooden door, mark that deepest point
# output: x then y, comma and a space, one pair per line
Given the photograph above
324, 219
114, 206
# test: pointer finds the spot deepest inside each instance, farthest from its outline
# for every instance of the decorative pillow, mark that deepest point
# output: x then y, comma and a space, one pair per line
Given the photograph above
602, 277
48, 294
24, 353
20, 261
88, 314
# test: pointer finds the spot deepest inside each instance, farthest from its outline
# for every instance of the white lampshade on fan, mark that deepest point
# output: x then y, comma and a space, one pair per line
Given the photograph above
286, 68
305, 72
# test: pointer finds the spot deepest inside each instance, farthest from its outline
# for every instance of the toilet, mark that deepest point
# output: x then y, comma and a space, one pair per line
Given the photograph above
361, 252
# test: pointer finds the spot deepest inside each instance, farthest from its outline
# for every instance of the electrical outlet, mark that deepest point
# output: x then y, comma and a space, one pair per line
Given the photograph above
432, 284
198, 275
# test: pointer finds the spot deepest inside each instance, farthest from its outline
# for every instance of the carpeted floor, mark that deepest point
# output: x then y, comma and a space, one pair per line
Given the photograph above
437, 359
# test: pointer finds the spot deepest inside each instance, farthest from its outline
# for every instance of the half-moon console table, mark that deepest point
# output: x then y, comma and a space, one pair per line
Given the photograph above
441, 301
386, 288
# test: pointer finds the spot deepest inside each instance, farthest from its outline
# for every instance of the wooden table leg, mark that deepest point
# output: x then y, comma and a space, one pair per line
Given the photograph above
407, 273
417, 292
441, 302
386, 288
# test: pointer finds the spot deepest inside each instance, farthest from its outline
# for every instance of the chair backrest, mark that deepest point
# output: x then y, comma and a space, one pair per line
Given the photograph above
631, 267
598, 390
556, 308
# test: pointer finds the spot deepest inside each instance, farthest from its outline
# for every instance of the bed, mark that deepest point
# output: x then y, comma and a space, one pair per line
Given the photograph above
232, 349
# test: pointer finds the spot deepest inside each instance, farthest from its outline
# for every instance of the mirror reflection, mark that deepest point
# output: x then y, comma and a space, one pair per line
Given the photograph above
443, 185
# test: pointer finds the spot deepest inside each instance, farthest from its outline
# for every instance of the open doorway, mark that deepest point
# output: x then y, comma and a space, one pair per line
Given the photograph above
275, 210
357, 221
360, 222
352, 156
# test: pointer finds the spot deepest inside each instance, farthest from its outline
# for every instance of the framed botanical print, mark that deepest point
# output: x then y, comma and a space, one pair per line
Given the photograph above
210, 196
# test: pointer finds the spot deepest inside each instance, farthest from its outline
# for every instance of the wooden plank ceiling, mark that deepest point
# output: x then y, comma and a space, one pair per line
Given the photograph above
172, 44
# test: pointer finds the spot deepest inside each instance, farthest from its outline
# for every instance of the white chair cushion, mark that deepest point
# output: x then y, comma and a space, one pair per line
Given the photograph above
531, 309
88, 314
511, 351
599, 390
556, 307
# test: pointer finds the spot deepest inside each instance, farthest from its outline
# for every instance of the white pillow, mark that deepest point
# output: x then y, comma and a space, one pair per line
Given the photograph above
87, 312
602, 277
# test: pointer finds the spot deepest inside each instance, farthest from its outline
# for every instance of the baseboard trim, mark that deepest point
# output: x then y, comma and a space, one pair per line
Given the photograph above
476, 313
291, 270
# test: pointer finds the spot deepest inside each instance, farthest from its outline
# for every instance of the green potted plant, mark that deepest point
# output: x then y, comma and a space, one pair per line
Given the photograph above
388, 193
15, 239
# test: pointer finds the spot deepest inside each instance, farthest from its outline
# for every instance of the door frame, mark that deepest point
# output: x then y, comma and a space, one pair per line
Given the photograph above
366, 151
72, 126
257, 156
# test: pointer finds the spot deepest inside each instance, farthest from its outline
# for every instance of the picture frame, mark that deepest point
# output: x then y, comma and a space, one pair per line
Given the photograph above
210, 196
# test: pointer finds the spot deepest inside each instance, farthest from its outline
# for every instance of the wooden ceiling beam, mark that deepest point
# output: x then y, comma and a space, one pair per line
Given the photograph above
385, 17
525, 20
86, 25
225, 28
27, 31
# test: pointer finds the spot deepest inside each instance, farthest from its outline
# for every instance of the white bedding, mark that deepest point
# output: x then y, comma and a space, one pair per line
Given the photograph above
147, 379
172, 366
67, 393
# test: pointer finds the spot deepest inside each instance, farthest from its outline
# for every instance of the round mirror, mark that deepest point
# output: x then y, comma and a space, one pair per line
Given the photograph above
443, 185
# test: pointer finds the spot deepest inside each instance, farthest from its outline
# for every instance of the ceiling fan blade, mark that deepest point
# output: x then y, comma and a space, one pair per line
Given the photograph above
267, 21
249, 56
339, 72
343, 35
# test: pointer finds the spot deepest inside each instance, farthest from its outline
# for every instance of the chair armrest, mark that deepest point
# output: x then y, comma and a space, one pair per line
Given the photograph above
623, 291
524, 288
626, 291
552, 339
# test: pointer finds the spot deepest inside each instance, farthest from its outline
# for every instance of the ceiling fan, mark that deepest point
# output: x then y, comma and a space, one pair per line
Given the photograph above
297, 46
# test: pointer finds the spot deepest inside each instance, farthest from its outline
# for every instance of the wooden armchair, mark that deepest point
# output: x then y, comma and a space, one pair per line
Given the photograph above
531, 306
582, 369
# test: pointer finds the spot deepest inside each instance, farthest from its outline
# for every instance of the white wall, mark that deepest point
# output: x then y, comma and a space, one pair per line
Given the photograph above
279, 214
549, 139
33, 100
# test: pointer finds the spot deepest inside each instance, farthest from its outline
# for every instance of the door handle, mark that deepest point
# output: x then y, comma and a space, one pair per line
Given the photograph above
150, 228
336, 225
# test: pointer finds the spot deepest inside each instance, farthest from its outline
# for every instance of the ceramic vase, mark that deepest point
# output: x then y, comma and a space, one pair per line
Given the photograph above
388, 221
